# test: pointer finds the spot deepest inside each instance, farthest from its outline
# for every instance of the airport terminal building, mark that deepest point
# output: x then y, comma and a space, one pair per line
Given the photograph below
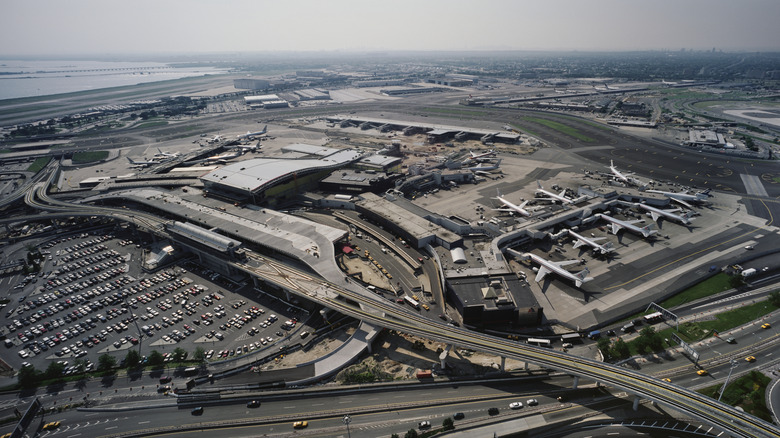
273, 181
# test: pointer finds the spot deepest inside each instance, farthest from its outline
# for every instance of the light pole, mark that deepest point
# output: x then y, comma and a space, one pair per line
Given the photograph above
347, 420
723, 388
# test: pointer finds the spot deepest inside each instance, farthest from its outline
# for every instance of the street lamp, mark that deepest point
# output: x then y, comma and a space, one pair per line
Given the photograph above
734, 364
347, 420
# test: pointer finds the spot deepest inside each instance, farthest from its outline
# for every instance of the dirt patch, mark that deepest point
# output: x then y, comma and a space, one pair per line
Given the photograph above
397, 356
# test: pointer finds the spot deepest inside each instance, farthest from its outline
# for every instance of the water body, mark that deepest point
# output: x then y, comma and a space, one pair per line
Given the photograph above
42, 78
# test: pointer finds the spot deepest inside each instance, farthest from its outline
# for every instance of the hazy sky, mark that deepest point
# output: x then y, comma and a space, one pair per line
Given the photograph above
113, 27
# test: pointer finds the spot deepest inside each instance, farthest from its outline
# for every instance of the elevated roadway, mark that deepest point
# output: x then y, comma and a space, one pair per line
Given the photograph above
390, 315
386, 314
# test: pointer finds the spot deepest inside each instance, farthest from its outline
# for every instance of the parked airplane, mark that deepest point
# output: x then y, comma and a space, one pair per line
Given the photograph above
142, 163
252, 148
512, 208
472, 156
625, 178
547, 266
617, 225
591, 242
656, 213
165, 155
225, 157
482, 167
250, 135
555, 197
684, 198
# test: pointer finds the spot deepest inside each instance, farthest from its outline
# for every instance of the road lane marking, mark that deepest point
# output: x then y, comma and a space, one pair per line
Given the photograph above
111, 427
144, 422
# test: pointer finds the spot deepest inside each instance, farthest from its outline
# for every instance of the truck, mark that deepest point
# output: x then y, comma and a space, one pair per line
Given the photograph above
595, 334
627, 328
748, 272
424, 374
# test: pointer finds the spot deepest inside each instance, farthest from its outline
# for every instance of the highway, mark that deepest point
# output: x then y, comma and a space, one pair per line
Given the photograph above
374, 412
689, 402
383, 314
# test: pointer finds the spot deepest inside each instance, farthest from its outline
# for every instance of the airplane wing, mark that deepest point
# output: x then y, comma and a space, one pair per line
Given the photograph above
655, 215
565, 262
542, 272
546, 199
681, 202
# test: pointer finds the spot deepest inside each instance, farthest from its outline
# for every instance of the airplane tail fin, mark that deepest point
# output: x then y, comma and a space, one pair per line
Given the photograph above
539, 184
130, 160
582, 277
607, 247
498, 163
647, 231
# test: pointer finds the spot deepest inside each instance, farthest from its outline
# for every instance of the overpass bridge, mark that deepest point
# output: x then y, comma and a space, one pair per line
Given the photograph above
370, 308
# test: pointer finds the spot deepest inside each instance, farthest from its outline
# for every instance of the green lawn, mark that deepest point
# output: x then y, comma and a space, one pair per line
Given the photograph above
747, 392
716, 283
560, 127
697, 330
39, 164
89, 157
151, 124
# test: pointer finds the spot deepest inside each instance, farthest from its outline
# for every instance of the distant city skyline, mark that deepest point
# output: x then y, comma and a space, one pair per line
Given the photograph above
104, 28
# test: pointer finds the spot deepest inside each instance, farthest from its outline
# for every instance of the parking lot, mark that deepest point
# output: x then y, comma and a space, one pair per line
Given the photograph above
91, 298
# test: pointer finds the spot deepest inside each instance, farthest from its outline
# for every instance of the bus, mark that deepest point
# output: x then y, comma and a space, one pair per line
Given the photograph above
654, 317
540, 342
411, 302
571, 337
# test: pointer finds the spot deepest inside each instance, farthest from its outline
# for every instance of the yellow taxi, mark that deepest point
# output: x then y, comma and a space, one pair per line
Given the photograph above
425, 306
52, 425
300, 424
750, 359
702, 372
667, 380
766, 326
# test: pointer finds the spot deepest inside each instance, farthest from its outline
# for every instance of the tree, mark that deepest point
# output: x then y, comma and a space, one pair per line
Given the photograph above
620, 349
179, 354
651, 339
395, 435
156, 358
603, 345
133, 359
29, 376
55, 370
199, 355
736, 281
411, 434
774, 297
448, 424
106, 362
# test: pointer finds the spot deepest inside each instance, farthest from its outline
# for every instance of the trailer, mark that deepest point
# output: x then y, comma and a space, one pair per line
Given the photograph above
571, 337
540, 342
